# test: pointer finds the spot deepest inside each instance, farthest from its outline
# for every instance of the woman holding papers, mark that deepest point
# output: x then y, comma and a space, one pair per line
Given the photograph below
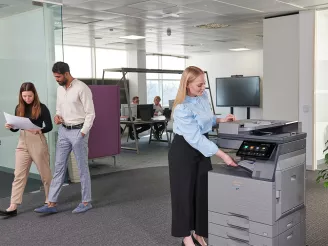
189, 158
32, 145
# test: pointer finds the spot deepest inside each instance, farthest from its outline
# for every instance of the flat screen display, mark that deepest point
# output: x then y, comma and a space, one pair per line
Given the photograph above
259, 150
238, 92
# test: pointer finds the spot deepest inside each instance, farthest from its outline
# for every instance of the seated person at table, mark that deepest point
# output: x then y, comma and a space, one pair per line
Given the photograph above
159, 127
139, 128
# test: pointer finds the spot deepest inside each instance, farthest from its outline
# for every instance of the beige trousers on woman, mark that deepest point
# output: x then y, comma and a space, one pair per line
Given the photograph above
31, 148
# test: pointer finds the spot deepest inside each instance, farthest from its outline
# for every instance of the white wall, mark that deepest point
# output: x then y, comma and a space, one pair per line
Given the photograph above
247, 63
306, 82
288, 70
280, 59
137, 81
321, 85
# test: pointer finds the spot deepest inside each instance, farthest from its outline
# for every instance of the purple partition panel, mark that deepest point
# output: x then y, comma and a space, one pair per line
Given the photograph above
104, 139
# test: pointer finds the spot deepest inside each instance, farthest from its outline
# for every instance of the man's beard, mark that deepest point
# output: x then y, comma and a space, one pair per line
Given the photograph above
63, 83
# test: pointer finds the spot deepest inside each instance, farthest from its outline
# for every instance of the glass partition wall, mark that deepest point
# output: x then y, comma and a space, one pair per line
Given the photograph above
28, 33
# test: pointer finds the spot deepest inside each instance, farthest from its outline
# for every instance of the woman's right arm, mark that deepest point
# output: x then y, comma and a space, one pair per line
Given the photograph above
10, 126
188, 127
226, 158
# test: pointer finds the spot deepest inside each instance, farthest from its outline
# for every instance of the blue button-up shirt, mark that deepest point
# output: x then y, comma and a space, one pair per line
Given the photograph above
192, 119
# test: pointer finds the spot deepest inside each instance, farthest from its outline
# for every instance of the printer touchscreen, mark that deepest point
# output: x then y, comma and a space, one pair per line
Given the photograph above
259, 150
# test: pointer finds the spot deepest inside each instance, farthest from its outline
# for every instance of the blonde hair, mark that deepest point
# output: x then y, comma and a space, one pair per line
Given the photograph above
188, 76
158, 98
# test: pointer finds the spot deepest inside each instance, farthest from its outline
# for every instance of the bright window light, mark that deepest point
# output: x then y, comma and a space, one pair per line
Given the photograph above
134, 37
239, 49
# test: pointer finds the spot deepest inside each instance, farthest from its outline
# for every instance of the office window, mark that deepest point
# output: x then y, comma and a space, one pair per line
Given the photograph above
164, 85
106, 58
173, 63
170, 89
152, 62
79, 60
153, 90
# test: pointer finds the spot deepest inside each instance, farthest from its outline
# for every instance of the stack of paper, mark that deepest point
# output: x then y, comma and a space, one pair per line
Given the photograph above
20, 122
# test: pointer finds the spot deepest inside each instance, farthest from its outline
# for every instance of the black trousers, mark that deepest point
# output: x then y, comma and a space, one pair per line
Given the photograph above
189, 188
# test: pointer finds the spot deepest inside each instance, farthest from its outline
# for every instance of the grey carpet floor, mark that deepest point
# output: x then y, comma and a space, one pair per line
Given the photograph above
130, 208
151, 155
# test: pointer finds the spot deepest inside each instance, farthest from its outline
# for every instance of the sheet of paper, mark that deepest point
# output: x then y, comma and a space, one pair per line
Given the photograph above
20, 122
161, 117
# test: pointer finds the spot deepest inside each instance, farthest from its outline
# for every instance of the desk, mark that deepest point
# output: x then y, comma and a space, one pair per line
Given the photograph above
142, 122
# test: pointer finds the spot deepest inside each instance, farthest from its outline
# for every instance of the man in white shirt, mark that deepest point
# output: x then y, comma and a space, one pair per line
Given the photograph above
75, 113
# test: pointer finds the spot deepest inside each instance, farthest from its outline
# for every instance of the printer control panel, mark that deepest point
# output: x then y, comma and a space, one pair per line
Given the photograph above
258, 150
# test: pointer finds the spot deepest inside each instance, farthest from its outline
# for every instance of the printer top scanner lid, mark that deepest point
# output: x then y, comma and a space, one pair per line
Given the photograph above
269, 130
241, 126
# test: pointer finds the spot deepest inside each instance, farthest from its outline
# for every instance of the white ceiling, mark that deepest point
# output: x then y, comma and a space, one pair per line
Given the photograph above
101, 23
110, 19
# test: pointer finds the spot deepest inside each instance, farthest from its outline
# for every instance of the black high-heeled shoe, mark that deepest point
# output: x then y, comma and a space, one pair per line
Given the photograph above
8, 213
195, 240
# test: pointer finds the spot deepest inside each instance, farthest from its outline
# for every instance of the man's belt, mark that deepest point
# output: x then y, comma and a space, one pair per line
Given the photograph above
79, 126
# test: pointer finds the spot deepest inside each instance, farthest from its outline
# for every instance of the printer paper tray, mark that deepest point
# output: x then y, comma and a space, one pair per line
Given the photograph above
225, 236
257, 228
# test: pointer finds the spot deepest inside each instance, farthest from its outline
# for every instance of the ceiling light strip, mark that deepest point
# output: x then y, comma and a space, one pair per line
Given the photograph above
235, 5
291, 4
239, 49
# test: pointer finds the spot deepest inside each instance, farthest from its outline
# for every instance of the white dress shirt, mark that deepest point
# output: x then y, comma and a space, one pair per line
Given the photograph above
158, 109
75, 105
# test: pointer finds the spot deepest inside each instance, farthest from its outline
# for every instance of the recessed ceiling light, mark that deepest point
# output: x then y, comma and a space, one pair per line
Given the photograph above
239, 49
133, 37
173, 15
212, 26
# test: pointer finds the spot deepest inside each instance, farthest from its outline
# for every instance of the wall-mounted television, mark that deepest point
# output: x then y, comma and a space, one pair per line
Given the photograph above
238, 91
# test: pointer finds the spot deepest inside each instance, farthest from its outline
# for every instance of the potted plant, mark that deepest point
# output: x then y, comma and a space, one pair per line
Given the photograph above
323, 174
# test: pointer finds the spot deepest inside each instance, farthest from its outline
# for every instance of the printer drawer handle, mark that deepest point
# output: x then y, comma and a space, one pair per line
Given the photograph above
238, 225
290, 224
242, 239
290, 236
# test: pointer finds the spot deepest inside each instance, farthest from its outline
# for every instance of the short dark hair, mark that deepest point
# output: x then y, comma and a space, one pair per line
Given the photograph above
60, 67
135, 98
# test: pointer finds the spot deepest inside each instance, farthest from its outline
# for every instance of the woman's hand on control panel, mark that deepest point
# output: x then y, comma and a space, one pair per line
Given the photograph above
228, 118
226, 158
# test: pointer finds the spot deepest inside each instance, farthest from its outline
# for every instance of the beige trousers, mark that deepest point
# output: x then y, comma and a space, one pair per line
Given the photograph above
31, 147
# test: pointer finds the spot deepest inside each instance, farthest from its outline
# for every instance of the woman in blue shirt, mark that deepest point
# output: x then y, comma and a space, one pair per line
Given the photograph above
189, 158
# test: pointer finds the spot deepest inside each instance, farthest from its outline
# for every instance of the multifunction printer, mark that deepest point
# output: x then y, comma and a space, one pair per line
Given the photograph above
262, 201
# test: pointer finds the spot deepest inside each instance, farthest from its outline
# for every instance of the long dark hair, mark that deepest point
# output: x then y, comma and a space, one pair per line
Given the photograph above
36, 105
